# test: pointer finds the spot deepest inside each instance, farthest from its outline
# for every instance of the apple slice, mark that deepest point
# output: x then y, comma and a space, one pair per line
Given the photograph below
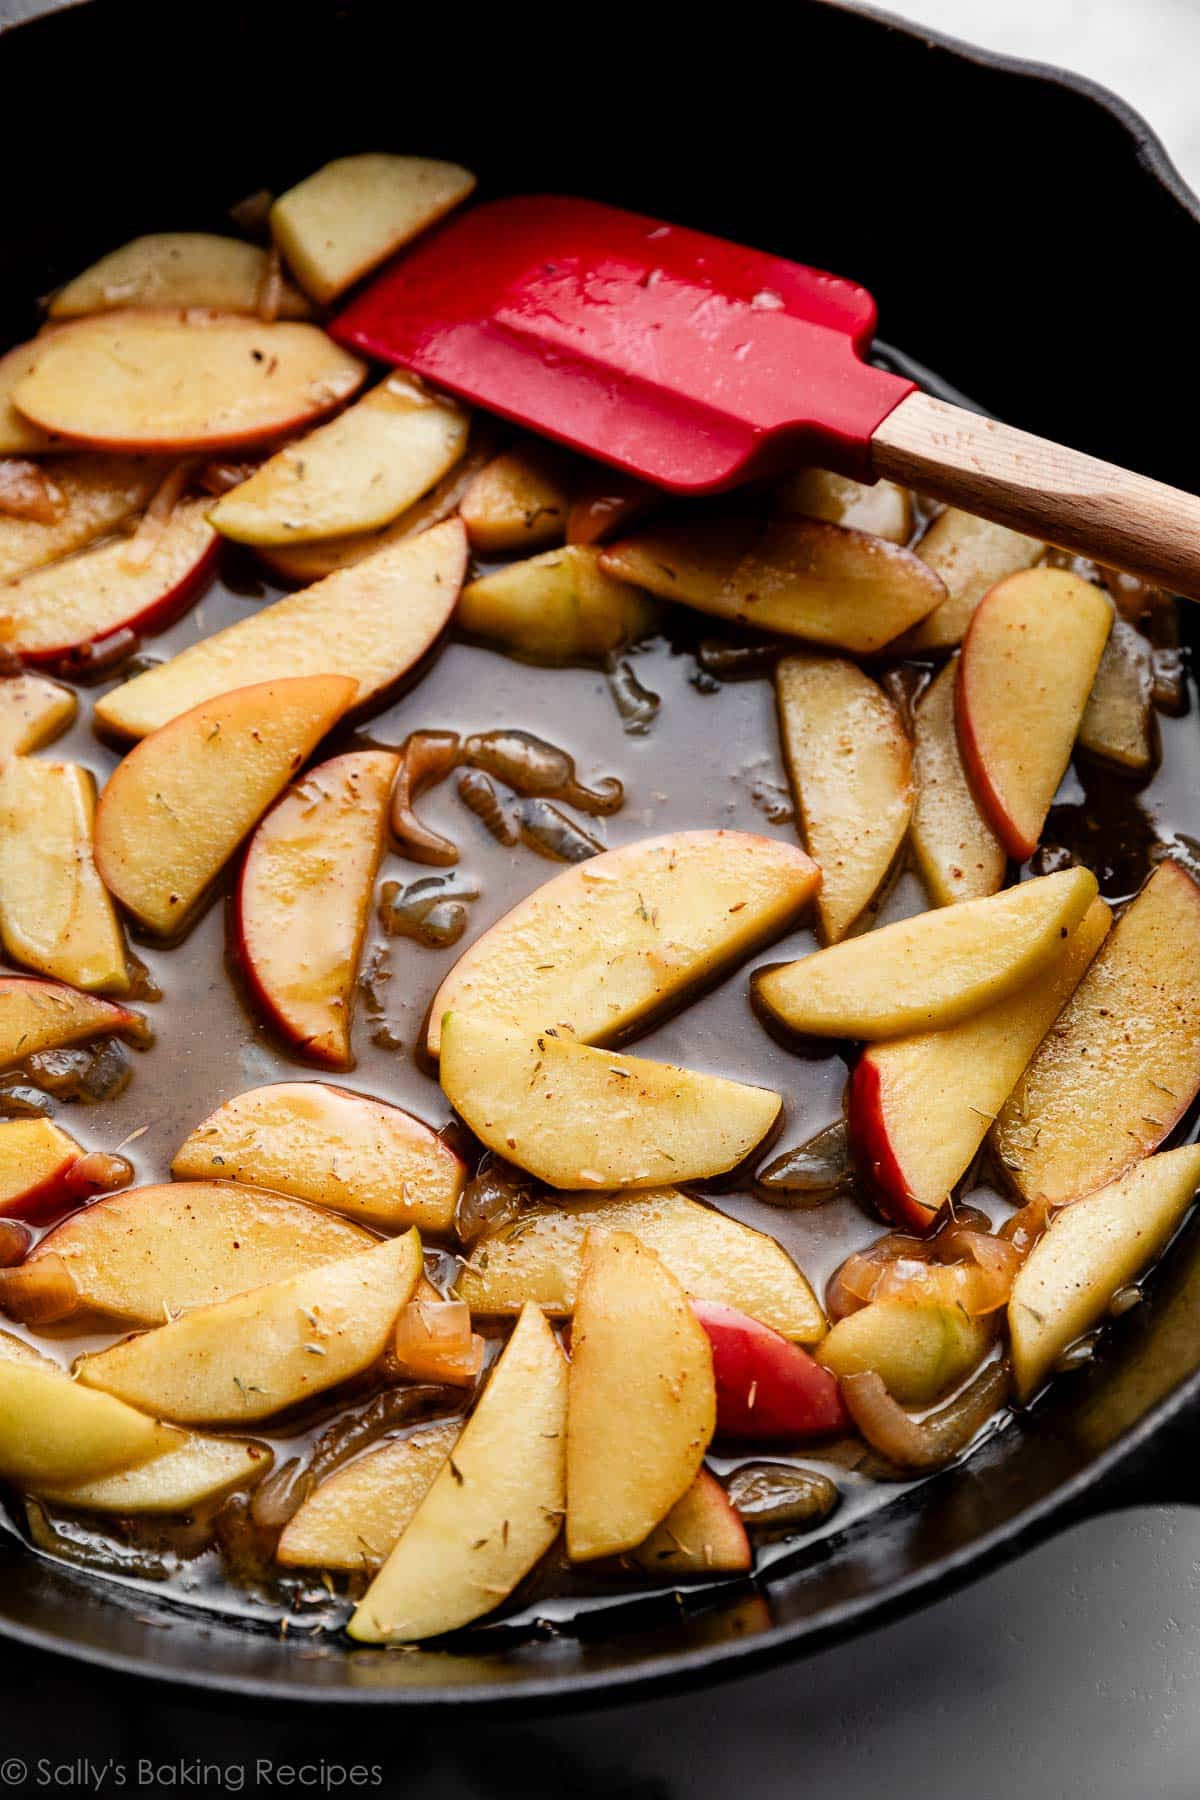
557, 607
350, 1152
714, 1257
958, 854
606, 503
183, 269
1118, 722
850, 764
261, 1351
493, 1509
52, 1431
156, 1251
701, 1535
18, 437
355, 1519
884, 509
371, 623
179, 805
767, 1387
50, 612
55, 913
352, 214
101, 492
1122, 1065
517, 502
354, 474
581, 1118
1090, 1250
920, 1107
302, 901
44, 1015
201, 1470
642, 1401
33, 712
929, 971
39, 1169
1026, 669
158, 380
920, 1351
602, 946
970, 555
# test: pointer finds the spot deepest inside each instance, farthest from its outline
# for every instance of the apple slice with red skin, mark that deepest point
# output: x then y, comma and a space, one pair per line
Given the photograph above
970, 555
53, 612
303, 899
102, 493
767, 1387
701, 1535
44, 1015
40, 1170
958, 854
1024, 676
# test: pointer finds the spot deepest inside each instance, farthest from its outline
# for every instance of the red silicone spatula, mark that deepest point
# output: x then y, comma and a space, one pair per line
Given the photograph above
695, 364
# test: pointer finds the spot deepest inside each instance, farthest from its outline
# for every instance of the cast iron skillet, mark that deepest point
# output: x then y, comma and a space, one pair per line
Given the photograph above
1022, 230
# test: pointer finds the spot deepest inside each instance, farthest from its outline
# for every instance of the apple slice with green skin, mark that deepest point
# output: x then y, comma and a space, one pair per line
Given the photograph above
338, 224
714, 1257
929, 971
970, 555
102, 493
355, 474
958, 854
44, 1015
179, 805
884, 509
850, 765
492, 1510
149, 1253
581, 1118
701, 1535
517, 502
604, 945
1118, 723
302, 901
52, 1431
201, 1470
767, 1387
39, 1169
33, 712
165, 381
642, 1401
920, 1107
55, 913
51, 613
1091, 1249
1122, 1065
253, 1355
1026, 669
371, 623
182, 269
355, 1518
920, 1351
559, 607
803, 577
350, 1152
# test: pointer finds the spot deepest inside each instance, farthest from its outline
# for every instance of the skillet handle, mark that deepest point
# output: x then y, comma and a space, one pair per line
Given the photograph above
1074, 501
1160, 1466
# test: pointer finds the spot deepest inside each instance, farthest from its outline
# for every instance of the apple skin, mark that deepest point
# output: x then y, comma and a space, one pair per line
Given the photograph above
793, 1396
873, 1153
64, 1175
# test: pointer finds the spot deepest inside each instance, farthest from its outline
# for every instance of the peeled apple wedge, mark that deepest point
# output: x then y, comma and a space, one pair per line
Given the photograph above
355, 1519
39, 1169
582, 1118
920, 1107
642, 1404
144, 1255
605, 944
713, 1257
350, 1152
805, 578
557, 607
958, 854
52, 1431
201, 1470
267, 1349
933, 969
701, 1535
354, 474
1118, 722
302, 901
181, 269
1122, 1064
101, 493
342, 221
970, 555
850, 765
493, 1509
883, 509
1091, 1249
43, 1015
51, 612
33, 712
1024, 676
920, 1351
165, 381
179, 805
518, 501
370, 623
55, 913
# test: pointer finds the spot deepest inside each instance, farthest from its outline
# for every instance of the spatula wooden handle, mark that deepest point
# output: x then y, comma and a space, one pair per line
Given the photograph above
1074, 501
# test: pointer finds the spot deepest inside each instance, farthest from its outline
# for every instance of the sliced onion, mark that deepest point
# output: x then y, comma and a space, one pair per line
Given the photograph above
427, 757
15, 1242
39, 1292
154, 520
939, 1437
434, 1342
963, 1264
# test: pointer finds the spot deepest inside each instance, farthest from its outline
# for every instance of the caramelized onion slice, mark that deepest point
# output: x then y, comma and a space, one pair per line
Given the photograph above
935, 1440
